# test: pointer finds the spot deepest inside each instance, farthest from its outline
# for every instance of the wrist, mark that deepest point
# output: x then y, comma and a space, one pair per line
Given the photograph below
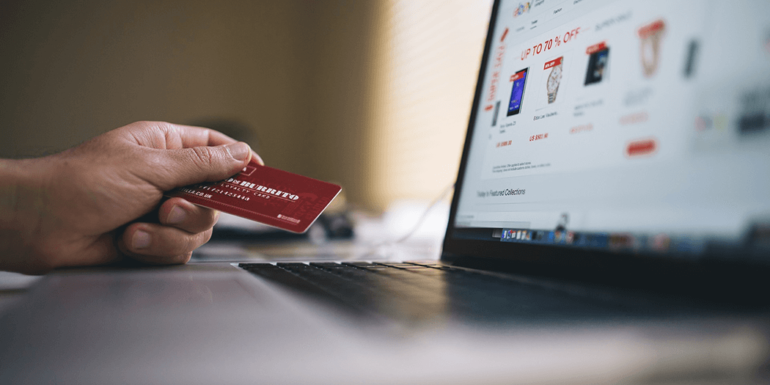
22, 207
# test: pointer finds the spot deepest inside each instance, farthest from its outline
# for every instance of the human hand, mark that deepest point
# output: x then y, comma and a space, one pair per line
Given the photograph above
100, 202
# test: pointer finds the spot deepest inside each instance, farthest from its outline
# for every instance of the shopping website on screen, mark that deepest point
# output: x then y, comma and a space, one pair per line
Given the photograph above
649, 118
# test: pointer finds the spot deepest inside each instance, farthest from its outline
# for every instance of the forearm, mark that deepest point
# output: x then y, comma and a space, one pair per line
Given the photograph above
21, 207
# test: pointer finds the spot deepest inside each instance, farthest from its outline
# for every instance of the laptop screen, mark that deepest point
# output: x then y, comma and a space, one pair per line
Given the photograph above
628, 126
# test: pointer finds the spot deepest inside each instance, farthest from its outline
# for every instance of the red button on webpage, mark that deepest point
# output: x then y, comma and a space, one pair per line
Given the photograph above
642, 147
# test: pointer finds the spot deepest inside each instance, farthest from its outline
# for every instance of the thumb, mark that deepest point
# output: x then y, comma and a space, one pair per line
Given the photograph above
187, 166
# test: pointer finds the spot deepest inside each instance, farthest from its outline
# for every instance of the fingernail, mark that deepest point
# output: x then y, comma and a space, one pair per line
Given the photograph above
176, 216
141, 240
239, 151
257, 158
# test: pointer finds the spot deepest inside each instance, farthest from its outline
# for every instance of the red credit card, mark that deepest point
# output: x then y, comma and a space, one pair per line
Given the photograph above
264, 194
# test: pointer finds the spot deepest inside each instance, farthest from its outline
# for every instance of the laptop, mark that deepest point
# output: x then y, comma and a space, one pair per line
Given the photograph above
610, 224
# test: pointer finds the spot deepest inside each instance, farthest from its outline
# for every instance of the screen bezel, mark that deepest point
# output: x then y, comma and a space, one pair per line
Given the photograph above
641, 269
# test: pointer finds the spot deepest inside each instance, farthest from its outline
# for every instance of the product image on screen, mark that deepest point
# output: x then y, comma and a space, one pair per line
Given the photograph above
597, 64
517, 93
497, 111
651, 37
692, 53
554, 77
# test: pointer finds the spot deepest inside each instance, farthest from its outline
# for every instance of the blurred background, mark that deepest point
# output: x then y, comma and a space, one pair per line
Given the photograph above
374, 95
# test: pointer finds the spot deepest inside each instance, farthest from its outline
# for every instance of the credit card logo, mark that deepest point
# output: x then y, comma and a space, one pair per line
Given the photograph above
264, 189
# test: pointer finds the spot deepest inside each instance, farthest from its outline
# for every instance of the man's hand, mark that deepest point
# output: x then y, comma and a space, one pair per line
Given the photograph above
101, 201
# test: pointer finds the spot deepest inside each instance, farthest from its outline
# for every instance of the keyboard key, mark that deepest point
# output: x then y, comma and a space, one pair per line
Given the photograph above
412, 292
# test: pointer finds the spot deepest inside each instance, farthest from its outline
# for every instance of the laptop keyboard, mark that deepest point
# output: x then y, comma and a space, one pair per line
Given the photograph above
416, 292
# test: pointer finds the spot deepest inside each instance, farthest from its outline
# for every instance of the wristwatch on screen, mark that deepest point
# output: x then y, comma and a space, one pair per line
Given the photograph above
553, 83
651, 36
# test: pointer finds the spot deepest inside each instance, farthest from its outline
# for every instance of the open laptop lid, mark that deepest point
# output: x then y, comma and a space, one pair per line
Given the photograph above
618, 133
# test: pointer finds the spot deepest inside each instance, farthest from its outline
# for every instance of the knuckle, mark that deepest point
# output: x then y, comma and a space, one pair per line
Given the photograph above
202, 156
166, 128
154, 123
197, 240
186, 245
146, 125
174, 251
207, 236
183, 258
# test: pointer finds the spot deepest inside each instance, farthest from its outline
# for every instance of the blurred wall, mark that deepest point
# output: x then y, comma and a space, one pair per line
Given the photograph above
314, 82
426, 60
74, 69
339, 47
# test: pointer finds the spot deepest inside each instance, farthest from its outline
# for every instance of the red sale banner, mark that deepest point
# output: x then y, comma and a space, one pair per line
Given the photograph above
553, 63
550, 43
650, 29
596, 48
499, 55
517, 76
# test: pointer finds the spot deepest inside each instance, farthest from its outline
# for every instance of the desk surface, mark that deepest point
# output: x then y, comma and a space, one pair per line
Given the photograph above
188, 324
13, 286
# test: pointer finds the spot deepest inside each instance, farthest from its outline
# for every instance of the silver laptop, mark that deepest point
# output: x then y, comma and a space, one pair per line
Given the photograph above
611, 224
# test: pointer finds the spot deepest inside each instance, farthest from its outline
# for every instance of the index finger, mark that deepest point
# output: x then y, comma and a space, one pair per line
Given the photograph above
192, 136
